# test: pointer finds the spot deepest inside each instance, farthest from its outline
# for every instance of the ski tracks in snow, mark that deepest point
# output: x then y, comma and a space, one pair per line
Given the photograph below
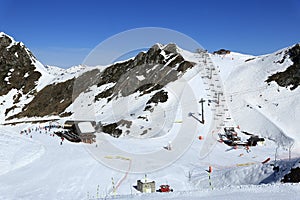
17, 151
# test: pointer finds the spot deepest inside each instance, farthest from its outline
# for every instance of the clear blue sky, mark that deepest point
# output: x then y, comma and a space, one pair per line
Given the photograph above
63, 32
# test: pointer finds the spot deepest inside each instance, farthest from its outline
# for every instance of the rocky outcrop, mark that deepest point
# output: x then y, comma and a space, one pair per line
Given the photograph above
55, 98
51, 100
222, 52
114, 129
17, 70
291, 76
147, 72
293, 176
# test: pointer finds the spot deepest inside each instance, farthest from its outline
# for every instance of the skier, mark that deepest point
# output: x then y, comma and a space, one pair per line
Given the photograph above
247, 149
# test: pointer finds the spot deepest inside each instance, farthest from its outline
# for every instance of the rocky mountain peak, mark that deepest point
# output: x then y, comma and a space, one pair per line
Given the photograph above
5, 40
17, 66
171, 48
147, 72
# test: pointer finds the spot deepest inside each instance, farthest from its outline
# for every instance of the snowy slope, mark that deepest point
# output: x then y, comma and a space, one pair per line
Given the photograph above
230, 62
274, 109
12, 158
62, 75
68, 171
49, 170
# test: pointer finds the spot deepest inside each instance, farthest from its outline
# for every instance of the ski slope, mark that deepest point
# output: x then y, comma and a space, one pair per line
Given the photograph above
37, 166
48, 170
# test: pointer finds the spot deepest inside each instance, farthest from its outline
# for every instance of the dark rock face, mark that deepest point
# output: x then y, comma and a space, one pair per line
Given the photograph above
249, 59
55, 98
222, 52
292, 177
159, 97
17, 70
145, 73
51, 100
291, 76
113, 130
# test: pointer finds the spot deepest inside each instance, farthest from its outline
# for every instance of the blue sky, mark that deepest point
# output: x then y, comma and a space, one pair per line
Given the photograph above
62, 33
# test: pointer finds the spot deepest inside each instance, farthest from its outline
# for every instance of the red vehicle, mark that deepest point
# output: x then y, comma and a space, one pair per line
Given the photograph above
165, 188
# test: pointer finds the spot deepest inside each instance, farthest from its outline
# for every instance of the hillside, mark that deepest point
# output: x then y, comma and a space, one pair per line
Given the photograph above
264, 98
151, 105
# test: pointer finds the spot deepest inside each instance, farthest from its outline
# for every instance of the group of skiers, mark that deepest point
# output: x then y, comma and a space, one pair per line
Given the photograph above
42, 129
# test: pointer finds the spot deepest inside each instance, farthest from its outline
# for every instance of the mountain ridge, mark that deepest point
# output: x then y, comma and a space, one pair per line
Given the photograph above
54, 91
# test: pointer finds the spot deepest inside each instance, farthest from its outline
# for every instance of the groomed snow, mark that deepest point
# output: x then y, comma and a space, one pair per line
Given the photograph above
49, 170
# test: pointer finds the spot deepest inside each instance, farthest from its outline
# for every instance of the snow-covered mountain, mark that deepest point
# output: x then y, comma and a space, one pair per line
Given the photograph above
267, 93
23, 77
140, 96
147, 103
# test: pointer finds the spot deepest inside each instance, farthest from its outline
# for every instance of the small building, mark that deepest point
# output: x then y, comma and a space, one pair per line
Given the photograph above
145, 186
83, 129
